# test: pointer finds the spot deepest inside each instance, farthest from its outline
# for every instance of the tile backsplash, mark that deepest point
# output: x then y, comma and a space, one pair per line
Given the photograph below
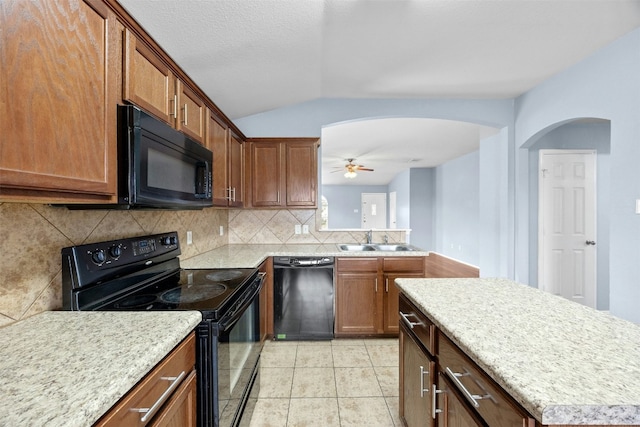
31, 236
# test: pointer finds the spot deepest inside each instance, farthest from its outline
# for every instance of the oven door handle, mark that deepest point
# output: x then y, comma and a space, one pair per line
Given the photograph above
234, 315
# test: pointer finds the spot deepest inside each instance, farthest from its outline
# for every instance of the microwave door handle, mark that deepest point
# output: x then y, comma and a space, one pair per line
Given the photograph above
202, 171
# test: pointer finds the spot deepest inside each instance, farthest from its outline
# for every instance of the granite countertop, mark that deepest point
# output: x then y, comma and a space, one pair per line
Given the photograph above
251, 256
563, 362
68, 368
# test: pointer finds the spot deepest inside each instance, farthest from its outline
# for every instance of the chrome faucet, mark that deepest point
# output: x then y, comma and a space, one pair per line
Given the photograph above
369, 236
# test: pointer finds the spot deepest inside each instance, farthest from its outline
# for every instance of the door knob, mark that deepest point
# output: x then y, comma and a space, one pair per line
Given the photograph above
591, 242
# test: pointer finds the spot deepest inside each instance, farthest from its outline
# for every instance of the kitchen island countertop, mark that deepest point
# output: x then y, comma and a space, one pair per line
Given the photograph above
563, 362
251, 256
68, 368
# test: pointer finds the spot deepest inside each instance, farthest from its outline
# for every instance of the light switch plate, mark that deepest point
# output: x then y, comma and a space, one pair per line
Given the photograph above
638, 206
298, 229
222, 230
305, 229
189, 238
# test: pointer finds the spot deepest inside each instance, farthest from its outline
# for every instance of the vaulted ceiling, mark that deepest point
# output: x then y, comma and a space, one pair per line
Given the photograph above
252, 56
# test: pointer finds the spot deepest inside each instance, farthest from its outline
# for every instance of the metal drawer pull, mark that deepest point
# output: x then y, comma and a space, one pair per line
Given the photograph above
472, 398
150, 412
434, 410
406, 320
185, 116
422, 389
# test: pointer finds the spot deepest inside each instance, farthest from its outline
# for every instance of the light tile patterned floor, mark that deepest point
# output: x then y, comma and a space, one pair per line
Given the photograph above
338, 383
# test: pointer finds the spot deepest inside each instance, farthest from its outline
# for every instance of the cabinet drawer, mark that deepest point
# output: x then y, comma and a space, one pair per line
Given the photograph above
480, 391
169, 373
422, 327
410, 264
357, 264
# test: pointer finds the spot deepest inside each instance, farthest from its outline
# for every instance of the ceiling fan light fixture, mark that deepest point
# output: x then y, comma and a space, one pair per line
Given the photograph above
350, 174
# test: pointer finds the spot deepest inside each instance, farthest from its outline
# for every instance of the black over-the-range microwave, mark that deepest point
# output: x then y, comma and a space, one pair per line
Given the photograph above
158, 167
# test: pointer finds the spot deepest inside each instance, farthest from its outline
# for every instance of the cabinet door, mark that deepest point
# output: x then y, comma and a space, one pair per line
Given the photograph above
59, 64
236, 171
391, 300
416, 383
148, 81
454, 412
266, 174
192, 113
357, 303
217, 142
180, 409
302, 174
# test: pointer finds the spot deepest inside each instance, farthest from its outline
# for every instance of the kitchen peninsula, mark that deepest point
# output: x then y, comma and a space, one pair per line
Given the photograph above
69, 368
561, 362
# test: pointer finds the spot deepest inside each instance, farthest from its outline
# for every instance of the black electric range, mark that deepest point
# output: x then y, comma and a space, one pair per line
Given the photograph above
143, 274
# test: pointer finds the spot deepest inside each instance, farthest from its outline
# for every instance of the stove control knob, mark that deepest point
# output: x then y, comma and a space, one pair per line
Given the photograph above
169, 240
115, 251
98, 256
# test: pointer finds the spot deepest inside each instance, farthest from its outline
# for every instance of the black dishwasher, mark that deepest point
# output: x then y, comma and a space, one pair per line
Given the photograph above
303, 298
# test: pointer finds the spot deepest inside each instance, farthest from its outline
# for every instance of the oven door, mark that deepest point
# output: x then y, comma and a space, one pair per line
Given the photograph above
238, 355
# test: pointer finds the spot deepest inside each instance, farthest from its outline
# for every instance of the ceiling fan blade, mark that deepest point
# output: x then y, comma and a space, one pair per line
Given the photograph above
365, 169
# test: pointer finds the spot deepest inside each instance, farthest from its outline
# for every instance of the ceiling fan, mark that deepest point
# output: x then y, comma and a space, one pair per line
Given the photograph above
351, 168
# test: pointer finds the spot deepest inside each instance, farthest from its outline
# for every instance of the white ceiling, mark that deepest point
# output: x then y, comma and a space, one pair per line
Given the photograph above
252, 56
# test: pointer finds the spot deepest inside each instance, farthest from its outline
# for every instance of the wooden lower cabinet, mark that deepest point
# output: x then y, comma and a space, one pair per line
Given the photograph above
175, 372
357, 304
417, 372
453, 411
367, 296
181, 409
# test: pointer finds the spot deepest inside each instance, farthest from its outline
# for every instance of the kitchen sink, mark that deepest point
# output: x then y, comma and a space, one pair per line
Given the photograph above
375, 247
356, 248
394, 248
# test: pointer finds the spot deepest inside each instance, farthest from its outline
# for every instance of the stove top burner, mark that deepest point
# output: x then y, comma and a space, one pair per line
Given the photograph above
224, 275
135, 301
193, 293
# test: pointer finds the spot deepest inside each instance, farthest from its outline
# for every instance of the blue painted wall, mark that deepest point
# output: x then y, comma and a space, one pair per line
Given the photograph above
457, 208
605, 85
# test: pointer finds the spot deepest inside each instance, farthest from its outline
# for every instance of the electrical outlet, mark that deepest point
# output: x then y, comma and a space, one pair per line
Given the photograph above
305, 229
222, 230
189, 238
298, 229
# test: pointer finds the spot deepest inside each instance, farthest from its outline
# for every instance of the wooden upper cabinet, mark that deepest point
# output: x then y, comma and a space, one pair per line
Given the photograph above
191, 112
148, 81
151, 84
228, 163
267, 174
283, 172
60, 68
302, 173
236, 171
217, 142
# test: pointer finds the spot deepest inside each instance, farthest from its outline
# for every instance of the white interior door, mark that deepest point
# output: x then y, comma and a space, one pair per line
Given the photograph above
567, 231
374, 210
